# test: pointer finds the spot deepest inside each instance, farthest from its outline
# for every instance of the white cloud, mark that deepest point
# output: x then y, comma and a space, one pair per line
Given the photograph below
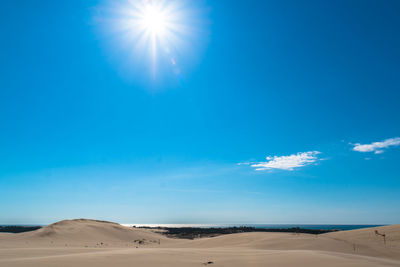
244, 163
377, 147
287, 162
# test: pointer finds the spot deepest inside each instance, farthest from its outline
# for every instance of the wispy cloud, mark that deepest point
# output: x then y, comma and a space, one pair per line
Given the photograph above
289, 163
244, 163
377, 147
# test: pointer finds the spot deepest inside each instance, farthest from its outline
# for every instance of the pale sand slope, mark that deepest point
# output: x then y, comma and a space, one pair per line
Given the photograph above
94, 243
81, 233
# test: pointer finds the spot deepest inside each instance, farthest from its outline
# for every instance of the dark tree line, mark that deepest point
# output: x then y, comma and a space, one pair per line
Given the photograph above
18, 229
194, 232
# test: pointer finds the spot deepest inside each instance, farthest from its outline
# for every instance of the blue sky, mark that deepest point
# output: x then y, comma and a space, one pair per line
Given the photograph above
242, 112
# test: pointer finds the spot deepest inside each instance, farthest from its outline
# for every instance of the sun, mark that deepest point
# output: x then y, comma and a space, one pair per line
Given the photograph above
154, 20
159, 35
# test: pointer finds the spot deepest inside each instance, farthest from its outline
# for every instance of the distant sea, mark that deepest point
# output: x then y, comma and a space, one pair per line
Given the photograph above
266, 226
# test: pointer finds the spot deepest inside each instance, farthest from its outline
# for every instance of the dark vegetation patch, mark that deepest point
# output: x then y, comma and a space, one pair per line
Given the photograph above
197, 232
17, 228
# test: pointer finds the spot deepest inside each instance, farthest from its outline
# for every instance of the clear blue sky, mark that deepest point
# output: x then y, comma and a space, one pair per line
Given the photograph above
96, 122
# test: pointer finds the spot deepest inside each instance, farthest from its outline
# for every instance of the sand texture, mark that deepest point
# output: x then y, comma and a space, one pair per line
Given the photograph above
96, 244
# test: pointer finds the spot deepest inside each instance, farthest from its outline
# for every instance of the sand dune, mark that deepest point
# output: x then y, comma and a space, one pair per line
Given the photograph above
359, 242
97, 243
83, 232
367, 242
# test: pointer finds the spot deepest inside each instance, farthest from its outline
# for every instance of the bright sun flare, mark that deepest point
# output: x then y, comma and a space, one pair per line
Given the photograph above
161, 32
154, 20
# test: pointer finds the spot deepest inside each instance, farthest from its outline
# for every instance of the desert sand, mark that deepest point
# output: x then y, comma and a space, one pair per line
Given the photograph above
96, 243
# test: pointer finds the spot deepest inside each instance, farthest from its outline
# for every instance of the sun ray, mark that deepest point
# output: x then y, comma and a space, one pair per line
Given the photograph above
161, 35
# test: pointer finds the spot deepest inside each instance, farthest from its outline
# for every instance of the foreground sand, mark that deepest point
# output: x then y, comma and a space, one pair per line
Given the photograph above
93, 243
